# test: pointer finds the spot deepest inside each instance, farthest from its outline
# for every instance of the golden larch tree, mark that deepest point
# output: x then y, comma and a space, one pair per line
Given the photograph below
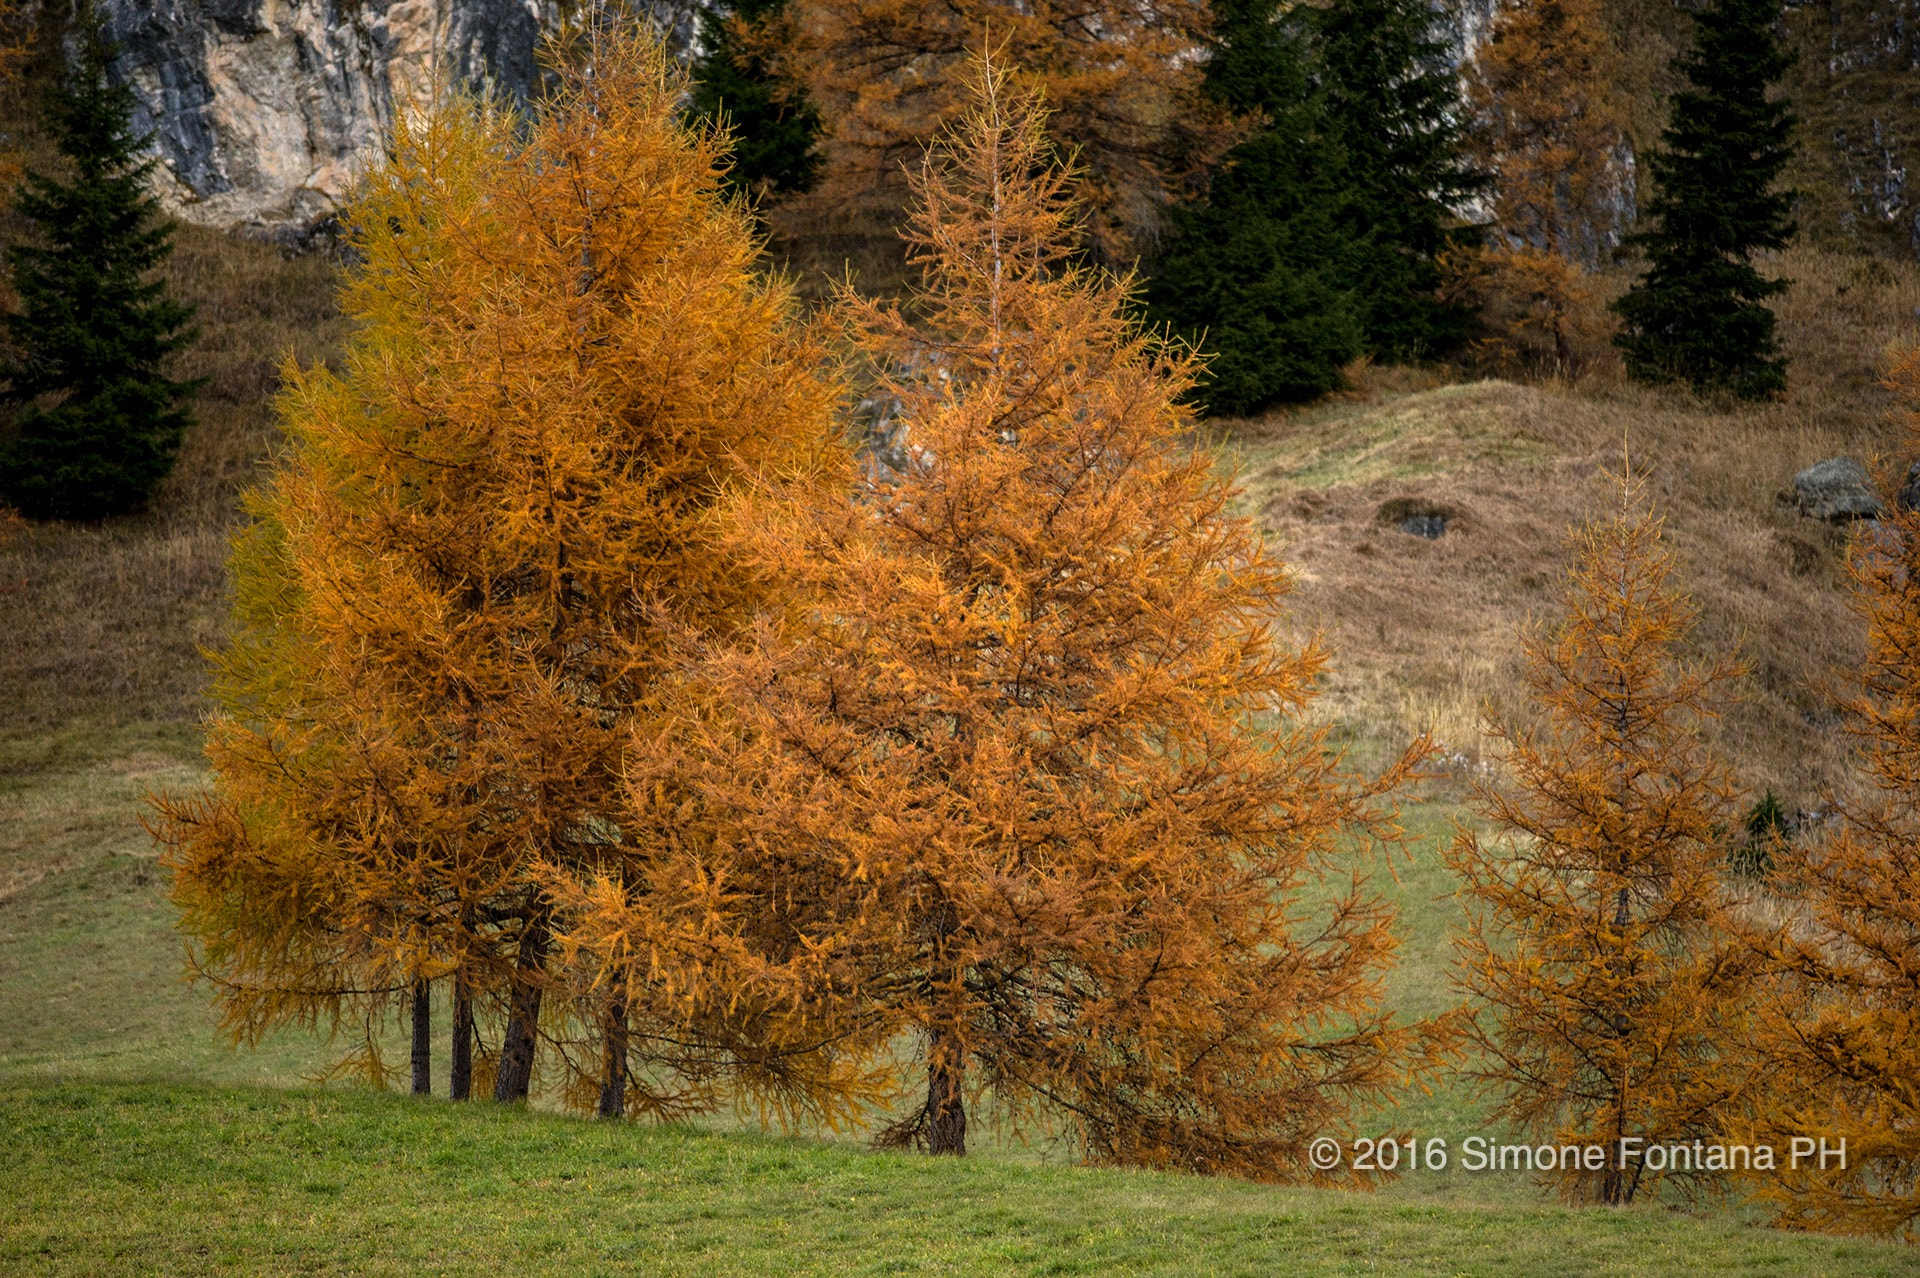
1549, 131
468, 574
1607, 986
1031, 782
1123, 82
1841, 1033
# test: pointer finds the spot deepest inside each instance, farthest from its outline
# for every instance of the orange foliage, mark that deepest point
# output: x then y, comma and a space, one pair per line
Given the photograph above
1606, 981
1123, 82
1549, 131
1031, 780
1843, 1038
17, 31
466, 580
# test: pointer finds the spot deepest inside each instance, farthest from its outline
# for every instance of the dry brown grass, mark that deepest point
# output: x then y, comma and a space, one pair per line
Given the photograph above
105, 623
1427, 633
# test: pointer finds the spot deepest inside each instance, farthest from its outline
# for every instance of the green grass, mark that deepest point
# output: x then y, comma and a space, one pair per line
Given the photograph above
1430, 432
183, 1179
134, 1140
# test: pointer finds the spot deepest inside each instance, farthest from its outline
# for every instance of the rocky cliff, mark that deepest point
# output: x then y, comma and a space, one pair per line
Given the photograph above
262, 110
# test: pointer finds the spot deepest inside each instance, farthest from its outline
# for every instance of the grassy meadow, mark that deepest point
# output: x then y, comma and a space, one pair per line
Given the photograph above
137, 1141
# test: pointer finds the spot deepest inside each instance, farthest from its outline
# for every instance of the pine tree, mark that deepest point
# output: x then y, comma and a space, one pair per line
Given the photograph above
1252, 271
96, 423
775, 129
1548, 131
461, 600
1841, 1035
1394, 114
1608, 987
1698, 315
1029, 774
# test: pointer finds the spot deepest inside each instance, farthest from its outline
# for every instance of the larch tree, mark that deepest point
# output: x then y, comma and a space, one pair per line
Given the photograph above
1032, 770
468, 571
1549, 133
1842, 1035
1699, 314
1124, 82
1607, 986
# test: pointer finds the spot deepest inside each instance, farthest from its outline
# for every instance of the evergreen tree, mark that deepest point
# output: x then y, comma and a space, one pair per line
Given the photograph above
1393, 112
1698, 316
97, 422
1253, 272
775, 127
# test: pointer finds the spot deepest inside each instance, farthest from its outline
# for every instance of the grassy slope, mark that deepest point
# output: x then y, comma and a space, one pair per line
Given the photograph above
177, 1179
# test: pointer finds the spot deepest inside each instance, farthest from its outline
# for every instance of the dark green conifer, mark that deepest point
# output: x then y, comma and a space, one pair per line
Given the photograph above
1698, 314
1394, 115
1253, 272
95, 423
775, 128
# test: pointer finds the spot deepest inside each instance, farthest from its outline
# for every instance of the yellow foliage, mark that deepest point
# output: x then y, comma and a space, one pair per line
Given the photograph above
493, 526
1608, 986
1549, 131
1123, 82
1030, 780
1842, 1032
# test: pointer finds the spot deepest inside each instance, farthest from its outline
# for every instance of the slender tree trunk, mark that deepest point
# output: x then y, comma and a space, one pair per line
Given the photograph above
422, 1038
460, 1086
515, 1076
946, 1099
613, 1084
1563, 348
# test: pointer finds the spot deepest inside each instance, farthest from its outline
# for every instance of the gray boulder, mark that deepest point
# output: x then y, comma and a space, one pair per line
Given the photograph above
1908, 498
1836, 489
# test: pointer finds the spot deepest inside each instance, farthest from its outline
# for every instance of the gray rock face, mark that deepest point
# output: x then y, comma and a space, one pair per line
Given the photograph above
1836, 489
264, 111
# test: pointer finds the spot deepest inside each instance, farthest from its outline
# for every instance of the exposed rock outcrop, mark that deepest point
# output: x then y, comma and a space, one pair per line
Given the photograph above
263, 111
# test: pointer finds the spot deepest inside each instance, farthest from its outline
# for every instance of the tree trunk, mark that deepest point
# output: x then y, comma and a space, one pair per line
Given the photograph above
515, 1076
460, 1087
422, 1038
613, 1084
946, 1100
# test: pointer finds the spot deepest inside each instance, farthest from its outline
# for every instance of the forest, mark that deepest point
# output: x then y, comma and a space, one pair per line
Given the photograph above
1224, 605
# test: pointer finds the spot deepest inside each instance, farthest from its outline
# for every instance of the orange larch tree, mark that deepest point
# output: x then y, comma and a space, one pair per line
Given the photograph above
1608, 988
1549, 130
467, 576
1123, 82
1842, 1035
1030, 779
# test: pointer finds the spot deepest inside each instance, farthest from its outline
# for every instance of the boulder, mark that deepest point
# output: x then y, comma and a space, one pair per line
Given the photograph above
1908, 498
1836, 489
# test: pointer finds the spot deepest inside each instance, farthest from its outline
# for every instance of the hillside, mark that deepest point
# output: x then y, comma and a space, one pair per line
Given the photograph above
1425, 633
140, 1155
